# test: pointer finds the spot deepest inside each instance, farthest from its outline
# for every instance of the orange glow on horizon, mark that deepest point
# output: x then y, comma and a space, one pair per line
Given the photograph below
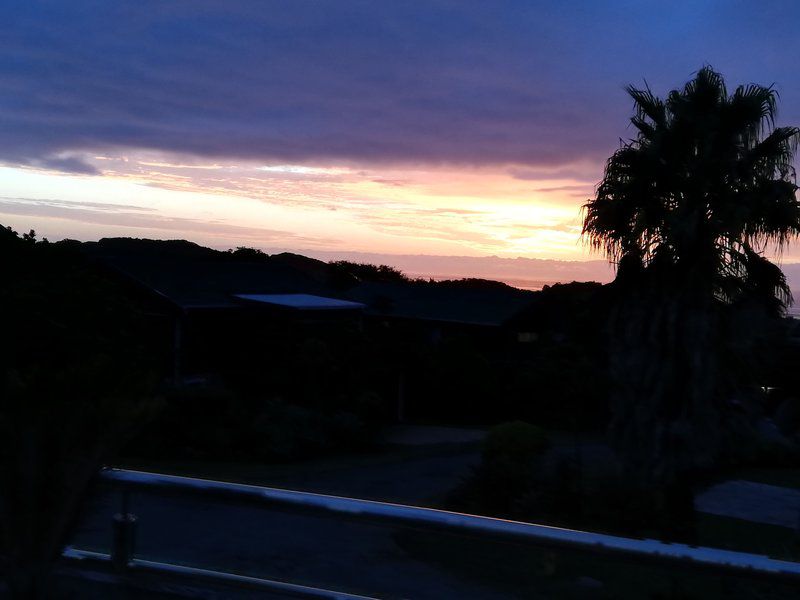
412, 210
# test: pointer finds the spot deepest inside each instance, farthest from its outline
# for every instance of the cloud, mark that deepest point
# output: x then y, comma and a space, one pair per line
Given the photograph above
298, 82
69, 164
565, 188
530, 85
588, 173
107, 214
8, 201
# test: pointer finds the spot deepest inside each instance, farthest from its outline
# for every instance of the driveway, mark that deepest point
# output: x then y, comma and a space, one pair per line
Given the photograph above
752, 501
322, 551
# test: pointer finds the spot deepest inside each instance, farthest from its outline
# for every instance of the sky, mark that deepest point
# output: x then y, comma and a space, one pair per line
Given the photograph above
372, 128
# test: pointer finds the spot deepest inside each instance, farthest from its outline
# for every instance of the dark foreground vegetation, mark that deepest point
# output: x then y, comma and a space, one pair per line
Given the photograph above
76, 381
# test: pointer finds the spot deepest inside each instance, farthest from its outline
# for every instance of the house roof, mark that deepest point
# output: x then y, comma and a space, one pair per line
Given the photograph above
442, 303
214, 284
301, 301
192, 277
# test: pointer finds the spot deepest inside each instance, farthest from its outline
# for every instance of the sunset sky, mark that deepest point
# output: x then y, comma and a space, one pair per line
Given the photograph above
446, 128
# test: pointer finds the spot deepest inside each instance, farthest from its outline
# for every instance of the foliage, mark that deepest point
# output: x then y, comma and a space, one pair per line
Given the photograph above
705, 187
307, 393
472, 283
248, 254
686, 210
75, 382
511, 459
207, 423
515, 441
283, 432
346, 273
519, 479
544, 388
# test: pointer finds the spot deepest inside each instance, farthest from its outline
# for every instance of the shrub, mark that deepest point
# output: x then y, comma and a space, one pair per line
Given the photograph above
511, 457
196, 422
516, 441
283, 432
213, 423
76, 381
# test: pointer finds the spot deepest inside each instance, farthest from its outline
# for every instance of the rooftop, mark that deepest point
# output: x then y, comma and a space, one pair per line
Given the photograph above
301, 301
445, 304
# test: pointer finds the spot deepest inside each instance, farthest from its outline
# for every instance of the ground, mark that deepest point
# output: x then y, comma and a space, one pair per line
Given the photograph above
419, 468
752, 501
327, 552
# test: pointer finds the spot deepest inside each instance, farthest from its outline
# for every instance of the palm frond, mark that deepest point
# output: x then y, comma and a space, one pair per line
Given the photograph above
706, 173
647, 105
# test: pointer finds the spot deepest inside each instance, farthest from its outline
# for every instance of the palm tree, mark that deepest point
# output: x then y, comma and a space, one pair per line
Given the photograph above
686, 210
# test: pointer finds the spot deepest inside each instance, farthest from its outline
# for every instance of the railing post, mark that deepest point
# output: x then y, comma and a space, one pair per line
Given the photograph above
123, 543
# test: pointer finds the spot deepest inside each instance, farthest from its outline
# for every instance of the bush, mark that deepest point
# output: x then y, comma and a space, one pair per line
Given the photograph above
284, 432
543, 389
511, 460
516, 441
196, 422
213, 423
514, 481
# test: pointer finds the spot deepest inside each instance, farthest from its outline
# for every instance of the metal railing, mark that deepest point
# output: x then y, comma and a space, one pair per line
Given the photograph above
138, 566
708, 560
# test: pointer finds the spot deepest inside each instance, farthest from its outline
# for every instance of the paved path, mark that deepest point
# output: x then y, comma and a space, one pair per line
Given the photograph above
428, 435
757, 502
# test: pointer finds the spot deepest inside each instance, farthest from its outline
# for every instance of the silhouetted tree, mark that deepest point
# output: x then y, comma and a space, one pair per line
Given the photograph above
345, 274
686, 210
74, 383
248, 254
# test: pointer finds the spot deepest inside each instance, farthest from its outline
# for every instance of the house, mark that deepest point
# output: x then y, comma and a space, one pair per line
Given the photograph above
217, 311
485, 311
242, 315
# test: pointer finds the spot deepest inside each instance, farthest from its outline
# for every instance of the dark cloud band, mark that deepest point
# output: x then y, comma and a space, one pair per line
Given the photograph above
368, 82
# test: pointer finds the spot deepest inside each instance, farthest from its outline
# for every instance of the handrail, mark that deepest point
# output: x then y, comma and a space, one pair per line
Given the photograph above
704, 558
216, 577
